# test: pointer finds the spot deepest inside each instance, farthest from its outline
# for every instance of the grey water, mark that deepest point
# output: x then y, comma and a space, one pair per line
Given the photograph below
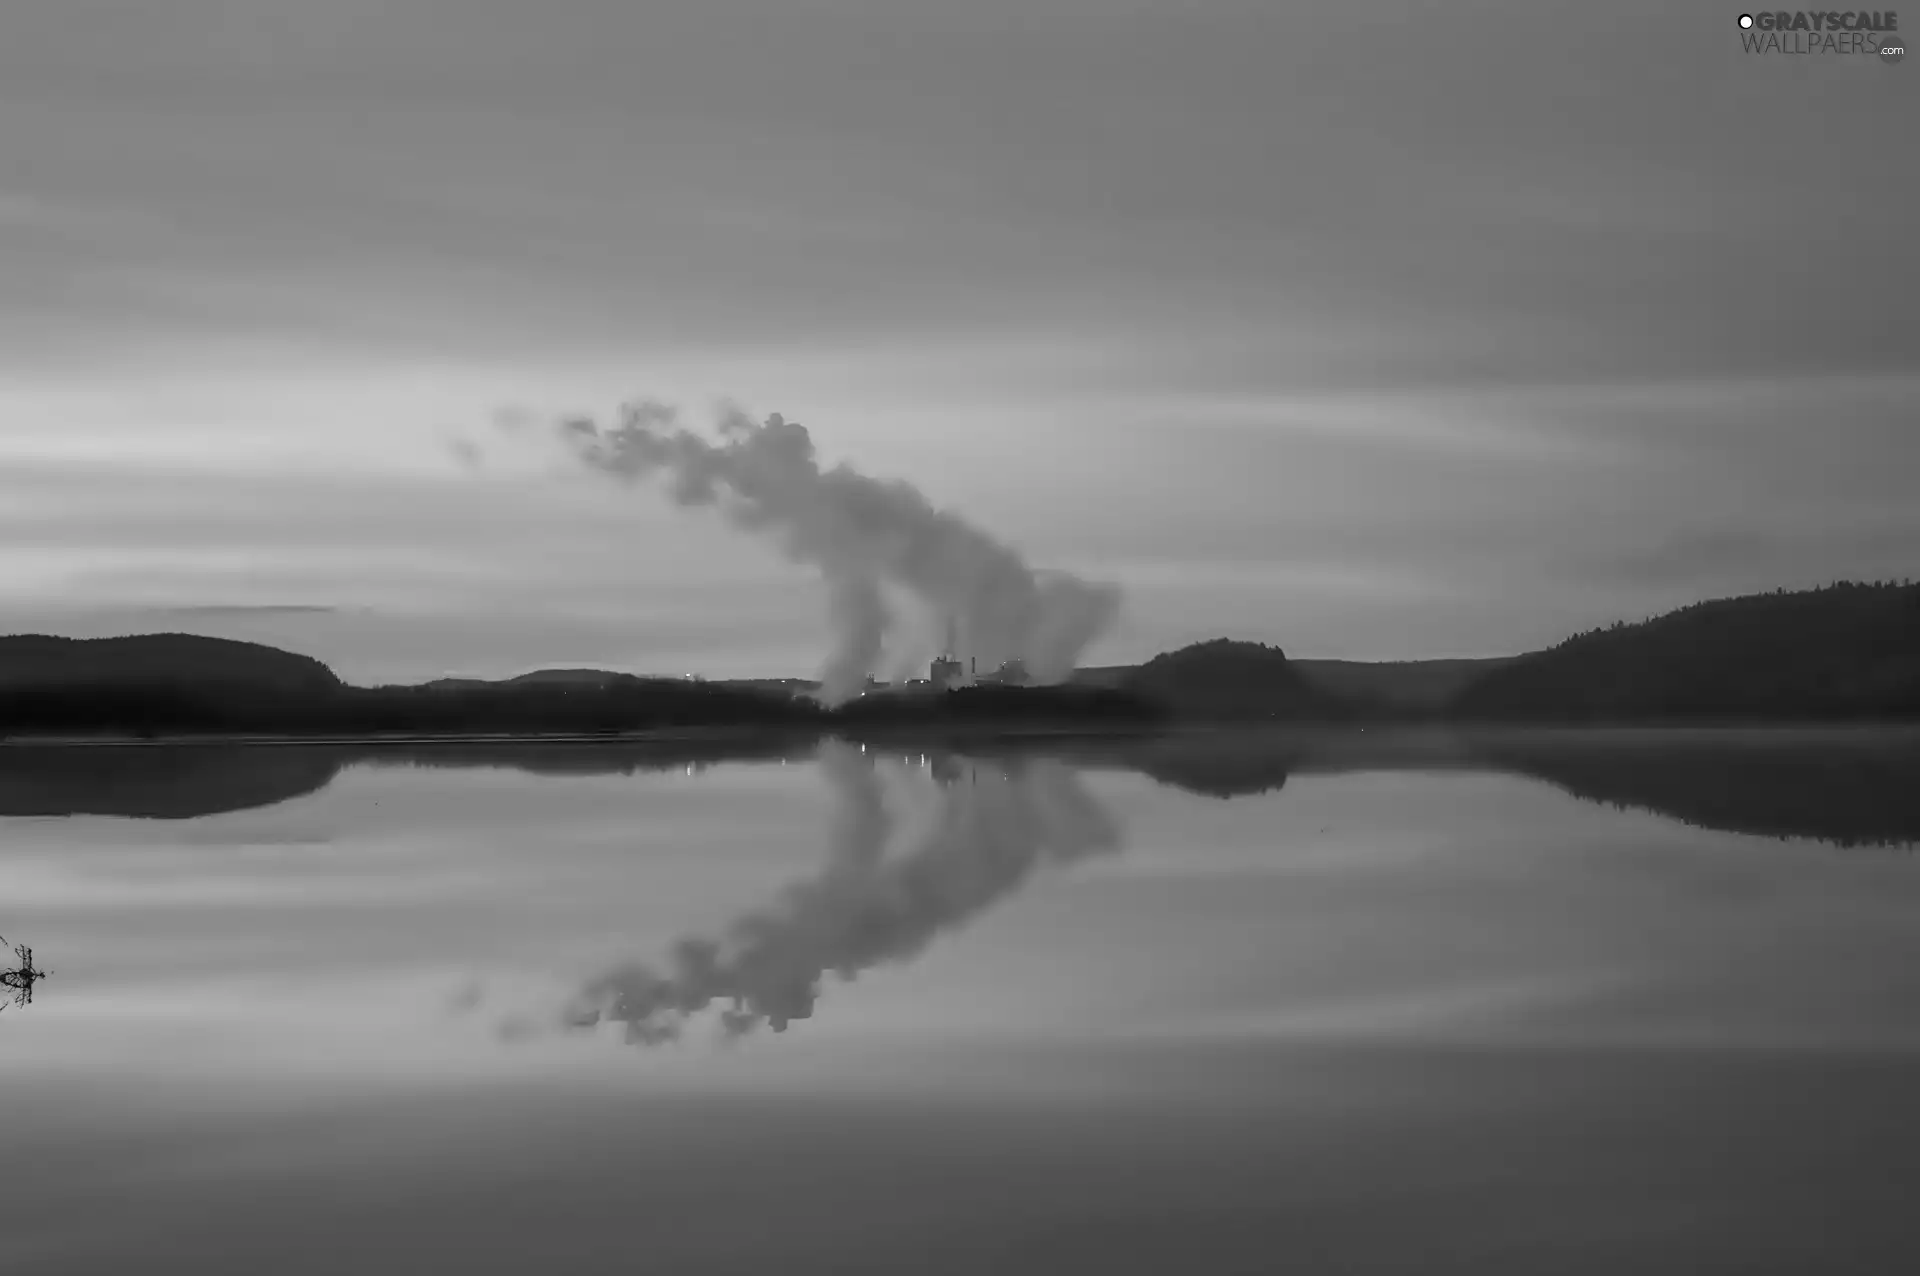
1551, 1002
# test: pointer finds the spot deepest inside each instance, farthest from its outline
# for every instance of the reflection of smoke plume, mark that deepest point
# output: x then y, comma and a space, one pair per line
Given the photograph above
860, 532
996, 822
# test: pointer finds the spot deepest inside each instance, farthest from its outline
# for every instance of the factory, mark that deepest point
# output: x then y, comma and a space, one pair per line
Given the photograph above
949, 671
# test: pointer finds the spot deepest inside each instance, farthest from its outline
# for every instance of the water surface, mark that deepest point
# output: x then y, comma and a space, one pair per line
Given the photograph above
1567, 1002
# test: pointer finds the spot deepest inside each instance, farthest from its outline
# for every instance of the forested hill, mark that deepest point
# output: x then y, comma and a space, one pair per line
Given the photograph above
46, 661
1224, 679
1847, 650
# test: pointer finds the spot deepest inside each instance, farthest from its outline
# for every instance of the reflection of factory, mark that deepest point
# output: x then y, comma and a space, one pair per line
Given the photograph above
945, 768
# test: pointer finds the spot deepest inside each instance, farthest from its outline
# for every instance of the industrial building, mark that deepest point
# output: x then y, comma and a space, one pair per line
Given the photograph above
947, 672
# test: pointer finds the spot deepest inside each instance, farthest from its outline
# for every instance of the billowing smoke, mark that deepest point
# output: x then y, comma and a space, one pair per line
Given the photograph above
996, 821
860, 533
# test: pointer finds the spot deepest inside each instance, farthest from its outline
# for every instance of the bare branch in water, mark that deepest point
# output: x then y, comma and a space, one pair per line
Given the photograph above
22, 978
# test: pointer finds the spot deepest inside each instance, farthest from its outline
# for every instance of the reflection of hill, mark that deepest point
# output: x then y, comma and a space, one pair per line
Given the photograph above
1845, 786
1850, 788
162, 782
587, 757
1218, 764
1221, 765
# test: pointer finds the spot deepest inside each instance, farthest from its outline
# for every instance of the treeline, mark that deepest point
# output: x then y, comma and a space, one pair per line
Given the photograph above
168, 707
151, 708
992, 704
1849, 650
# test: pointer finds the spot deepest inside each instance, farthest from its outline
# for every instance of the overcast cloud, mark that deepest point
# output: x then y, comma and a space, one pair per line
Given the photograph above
1371, 330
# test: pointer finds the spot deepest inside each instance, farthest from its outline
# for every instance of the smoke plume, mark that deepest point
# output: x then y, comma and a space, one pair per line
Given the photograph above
997, 821
860, 533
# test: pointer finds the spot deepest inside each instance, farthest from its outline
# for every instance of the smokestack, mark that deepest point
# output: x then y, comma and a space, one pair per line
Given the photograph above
859, 533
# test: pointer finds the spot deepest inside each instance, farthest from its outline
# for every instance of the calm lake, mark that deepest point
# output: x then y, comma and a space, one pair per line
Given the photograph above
1609, 1002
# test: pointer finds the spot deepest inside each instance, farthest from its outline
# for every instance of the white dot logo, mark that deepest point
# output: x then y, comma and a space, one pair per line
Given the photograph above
1746, 21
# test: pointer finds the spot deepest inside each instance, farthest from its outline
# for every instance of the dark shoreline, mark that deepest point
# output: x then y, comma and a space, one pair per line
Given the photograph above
1677, 731
758, 736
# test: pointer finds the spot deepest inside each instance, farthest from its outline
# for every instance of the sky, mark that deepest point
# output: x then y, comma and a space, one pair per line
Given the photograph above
1374, 331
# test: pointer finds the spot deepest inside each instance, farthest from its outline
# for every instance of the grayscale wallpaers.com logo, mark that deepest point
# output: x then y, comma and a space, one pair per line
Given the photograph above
1855, 31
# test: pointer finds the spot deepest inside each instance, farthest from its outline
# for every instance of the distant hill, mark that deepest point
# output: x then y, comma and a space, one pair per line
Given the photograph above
538, 678
1224, 680
1847, 650
41, 660
568, 677
1385, 687
787, 686
1406, 686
